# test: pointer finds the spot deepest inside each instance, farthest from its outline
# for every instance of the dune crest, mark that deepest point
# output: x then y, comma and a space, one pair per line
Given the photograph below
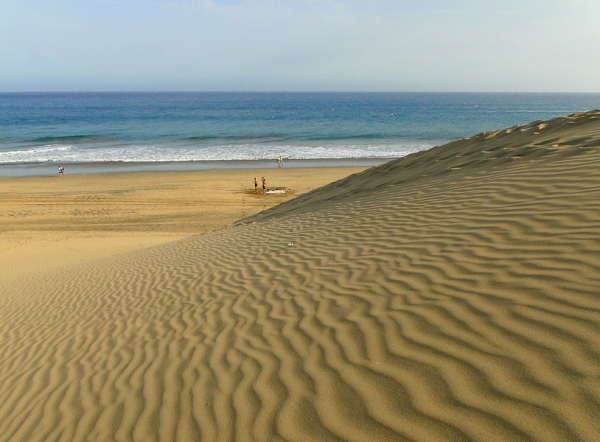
449, 295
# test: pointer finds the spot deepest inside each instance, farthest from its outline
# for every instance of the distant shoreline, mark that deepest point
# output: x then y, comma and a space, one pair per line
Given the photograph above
50, 169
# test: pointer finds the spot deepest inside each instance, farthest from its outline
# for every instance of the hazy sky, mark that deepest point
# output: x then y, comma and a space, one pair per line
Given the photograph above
300, 45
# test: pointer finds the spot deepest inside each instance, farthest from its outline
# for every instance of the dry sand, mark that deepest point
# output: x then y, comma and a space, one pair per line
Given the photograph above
449, 295
49, 223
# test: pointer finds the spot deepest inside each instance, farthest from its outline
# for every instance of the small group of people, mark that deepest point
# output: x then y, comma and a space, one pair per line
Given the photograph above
264, 185
264, 181
61, 171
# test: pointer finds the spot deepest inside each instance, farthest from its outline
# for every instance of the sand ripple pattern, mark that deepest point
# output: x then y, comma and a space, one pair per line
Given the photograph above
460, 304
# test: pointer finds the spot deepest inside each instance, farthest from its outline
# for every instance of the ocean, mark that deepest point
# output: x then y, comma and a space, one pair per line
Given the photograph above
94, 132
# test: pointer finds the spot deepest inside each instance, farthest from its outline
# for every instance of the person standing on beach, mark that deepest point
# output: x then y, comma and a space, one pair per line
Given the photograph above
264, 184
255, 184
279, 162
61, 171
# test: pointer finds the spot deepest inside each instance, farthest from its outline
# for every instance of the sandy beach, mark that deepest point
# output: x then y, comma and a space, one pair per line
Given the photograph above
453, 294
51, 222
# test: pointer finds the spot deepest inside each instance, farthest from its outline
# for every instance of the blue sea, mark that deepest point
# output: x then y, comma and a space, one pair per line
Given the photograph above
92, 132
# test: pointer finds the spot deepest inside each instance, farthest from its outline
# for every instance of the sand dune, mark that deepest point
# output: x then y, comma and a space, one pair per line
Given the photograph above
449, 295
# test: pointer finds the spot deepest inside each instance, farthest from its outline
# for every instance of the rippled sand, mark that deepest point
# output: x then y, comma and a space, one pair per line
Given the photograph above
449, 295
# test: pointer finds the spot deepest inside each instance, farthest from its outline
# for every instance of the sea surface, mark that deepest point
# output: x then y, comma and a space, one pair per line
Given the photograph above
92, 132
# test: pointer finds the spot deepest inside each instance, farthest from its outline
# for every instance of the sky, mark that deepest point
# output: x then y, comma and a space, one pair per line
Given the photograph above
300, 45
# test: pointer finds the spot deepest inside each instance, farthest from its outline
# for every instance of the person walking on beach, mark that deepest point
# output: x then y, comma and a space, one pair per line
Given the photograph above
255, 185
61, 171
264, 184
279, 162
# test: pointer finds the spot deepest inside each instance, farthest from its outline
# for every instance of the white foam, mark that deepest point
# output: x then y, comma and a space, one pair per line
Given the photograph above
233, 152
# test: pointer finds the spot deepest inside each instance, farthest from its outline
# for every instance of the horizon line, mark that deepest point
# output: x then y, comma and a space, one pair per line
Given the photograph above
282, 92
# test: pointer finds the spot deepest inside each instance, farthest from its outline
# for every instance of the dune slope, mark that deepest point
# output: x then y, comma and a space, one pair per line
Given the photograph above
449, 295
